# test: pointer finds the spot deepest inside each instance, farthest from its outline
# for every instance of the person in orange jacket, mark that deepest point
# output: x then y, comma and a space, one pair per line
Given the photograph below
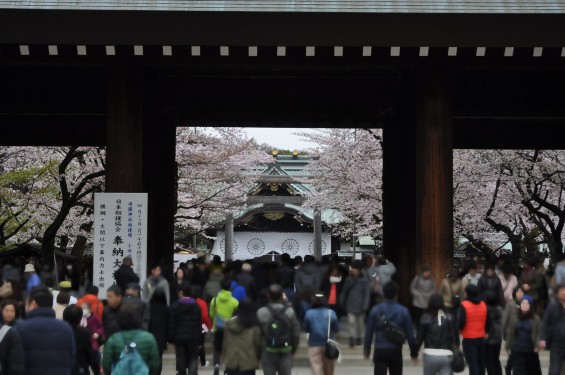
92, 298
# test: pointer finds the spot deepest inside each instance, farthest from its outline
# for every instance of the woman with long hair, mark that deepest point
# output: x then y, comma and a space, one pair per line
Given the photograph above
438, 332
316, 323
242, 343
522, 339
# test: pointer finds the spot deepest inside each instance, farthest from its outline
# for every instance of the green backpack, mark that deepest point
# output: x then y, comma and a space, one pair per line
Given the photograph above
130, 362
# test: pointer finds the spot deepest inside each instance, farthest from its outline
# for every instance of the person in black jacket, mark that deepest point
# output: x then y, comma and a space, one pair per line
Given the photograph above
284, 276
552, 334
11, 351
110, 313
125, 275
493, 342
85, 357
438, 332
490, 282
159, 320
185, 330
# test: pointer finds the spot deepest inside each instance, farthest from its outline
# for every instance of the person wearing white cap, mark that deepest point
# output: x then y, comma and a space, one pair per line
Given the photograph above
31, 277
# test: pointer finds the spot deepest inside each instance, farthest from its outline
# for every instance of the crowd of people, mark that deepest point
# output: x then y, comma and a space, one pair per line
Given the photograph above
255, 313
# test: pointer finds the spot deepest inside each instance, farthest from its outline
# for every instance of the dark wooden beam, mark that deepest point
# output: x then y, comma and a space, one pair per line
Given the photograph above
509, 132
202, 28
52, 129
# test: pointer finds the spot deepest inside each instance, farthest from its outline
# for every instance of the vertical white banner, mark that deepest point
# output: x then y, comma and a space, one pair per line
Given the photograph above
120, 230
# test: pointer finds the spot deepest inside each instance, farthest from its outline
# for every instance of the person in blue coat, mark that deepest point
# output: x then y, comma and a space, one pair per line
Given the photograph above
316, 324
238, 291
388, 355
48, 343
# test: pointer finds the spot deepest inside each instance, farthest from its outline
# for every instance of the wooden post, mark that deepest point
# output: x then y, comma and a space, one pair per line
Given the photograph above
317, 235
229, 238
159, 175
434, 171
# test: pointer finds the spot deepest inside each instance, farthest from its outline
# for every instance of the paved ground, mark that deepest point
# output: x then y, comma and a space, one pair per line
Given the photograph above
352, 362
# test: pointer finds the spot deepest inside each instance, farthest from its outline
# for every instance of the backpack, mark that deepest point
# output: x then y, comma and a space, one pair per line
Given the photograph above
278, 338
392, 331
220, 322
130, 362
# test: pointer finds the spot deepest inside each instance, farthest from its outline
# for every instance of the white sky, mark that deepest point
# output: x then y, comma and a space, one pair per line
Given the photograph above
280, 138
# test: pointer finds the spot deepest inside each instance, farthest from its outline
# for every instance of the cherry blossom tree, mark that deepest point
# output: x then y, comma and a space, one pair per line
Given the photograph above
346, 176
48, 191
22, 181
510, 196
217, 167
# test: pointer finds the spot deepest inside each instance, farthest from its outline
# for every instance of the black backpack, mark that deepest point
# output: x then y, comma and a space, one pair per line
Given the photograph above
278, 338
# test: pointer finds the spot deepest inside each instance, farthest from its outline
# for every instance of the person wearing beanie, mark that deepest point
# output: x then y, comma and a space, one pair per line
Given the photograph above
474, 323
523, 339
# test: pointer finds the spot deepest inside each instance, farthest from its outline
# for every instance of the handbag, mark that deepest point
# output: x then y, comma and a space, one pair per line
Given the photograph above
457, 360
332, 348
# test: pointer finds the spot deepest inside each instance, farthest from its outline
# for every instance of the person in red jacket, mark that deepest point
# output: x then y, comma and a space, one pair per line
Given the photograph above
92, 298
206, 321
474, 323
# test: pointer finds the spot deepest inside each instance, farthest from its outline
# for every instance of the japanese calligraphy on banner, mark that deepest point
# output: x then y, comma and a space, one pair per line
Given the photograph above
120, 230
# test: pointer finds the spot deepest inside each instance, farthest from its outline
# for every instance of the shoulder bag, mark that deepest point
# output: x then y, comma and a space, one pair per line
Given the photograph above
332, 348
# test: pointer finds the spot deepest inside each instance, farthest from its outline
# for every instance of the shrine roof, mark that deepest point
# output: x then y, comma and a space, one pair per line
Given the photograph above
332, 6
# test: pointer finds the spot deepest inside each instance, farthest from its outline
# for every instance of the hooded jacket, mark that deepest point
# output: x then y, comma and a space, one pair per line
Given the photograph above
212, 287
309, 275
238, 291
223, 305
241, 346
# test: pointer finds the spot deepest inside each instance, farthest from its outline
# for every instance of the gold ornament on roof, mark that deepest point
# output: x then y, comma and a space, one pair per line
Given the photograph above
274, 215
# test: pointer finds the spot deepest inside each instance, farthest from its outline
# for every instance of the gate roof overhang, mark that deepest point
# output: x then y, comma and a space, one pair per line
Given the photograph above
321, 24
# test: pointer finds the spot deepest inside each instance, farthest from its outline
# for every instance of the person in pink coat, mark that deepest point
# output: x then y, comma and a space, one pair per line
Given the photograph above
93, 325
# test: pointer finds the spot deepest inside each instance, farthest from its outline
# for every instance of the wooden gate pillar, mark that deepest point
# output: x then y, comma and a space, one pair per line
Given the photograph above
124, 130
434, 171
140, 153
399, 188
